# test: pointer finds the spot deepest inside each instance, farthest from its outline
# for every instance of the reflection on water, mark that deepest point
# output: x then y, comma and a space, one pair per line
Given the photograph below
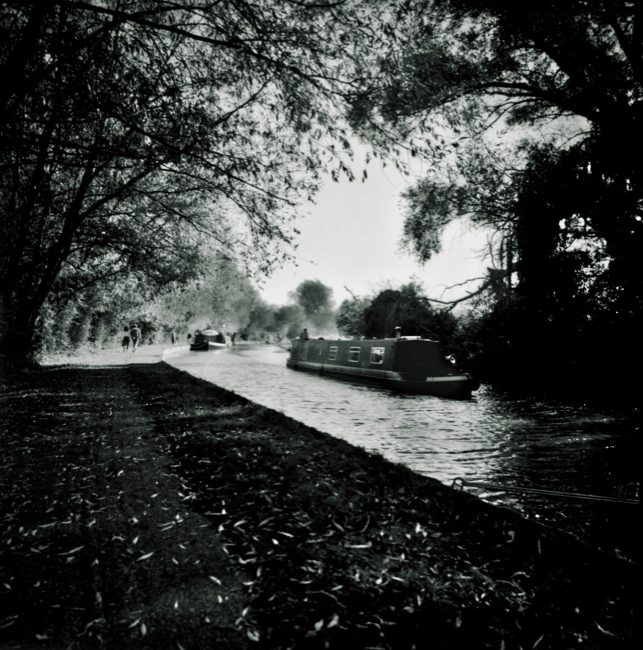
493, 439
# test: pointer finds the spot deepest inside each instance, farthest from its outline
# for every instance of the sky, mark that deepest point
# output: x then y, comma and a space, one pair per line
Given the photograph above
350, 238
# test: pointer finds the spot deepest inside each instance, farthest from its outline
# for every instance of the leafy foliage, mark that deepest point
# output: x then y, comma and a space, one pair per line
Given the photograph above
288, 321
350, 316
409, 310
316, 301
313, 296
531, 114
134, 134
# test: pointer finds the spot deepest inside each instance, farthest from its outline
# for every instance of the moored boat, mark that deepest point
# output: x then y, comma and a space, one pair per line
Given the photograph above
409, 364
209, 340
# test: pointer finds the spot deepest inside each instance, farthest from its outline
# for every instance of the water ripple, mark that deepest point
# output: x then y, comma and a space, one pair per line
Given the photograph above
493, 438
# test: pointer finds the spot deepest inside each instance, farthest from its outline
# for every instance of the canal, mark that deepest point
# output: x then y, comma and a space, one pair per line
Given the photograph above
522, 452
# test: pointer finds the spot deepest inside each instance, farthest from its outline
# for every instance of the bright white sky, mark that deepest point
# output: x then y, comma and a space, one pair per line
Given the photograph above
350, 238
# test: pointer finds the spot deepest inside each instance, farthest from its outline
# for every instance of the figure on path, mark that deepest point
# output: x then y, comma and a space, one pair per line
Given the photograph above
135, 333
126, 338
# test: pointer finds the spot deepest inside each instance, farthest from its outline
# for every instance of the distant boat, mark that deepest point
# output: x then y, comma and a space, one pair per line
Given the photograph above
209, 340
407, 363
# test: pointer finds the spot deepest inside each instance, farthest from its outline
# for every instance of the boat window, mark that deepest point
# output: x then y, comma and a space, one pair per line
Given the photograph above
332, 353
377, 355
353, 354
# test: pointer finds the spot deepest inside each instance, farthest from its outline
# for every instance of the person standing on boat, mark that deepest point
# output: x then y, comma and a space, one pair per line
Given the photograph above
304, 335
135, 333
126, 339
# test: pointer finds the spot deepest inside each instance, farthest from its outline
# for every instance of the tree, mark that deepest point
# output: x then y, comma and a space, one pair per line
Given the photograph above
350, 316
313, 296
261, 321
134, 131
288, 321
408, 309
316, 301
471, 70
222, 298
533, 118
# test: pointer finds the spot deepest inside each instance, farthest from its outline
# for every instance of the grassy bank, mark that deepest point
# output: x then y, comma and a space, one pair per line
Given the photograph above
144, 508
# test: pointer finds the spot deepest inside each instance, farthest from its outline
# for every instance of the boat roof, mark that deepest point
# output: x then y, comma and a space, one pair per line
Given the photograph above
392, 339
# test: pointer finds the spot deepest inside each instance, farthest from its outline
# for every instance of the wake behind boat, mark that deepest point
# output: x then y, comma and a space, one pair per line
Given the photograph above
410, 364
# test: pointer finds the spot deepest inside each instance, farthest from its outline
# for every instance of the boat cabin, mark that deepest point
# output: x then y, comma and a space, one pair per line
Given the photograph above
408, 363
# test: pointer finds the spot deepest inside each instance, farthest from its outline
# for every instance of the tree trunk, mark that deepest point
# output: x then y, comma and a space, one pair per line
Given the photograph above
17, 332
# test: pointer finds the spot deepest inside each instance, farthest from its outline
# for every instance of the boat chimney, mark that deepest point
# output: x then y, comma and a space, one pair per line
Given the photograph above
398, 332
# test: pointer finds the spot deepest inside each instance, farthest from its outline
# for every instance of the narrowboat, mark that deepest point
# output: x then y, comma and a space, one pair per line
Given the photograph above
406, 363
209, 340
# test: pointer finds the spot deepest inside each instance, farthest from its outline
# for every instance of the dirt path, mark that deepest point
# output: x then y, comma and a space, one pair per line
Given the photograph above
100, 540
144, 354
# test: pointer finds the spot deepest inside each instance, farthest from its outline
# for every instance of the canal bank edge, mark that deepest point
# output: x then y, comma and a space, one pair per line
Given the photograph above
147, 508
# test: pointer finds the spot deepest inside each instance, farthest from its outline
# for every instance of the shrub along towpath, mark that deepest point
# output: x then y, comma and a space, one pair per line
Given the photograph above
143, 508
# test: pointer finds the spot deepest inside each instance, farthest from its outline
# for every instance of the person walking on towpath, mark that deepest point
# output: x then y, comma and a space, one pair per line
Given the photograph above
135, 333
126, 339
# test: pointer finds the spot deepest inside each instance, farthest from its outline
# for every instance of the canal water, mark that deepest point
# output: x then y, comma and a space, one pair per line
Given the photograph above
508, 445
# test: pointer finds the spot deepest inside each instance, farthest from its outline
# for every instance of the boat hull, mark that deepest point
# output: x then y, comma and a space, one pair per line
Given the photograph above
209, 340
411, 366
208, 345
